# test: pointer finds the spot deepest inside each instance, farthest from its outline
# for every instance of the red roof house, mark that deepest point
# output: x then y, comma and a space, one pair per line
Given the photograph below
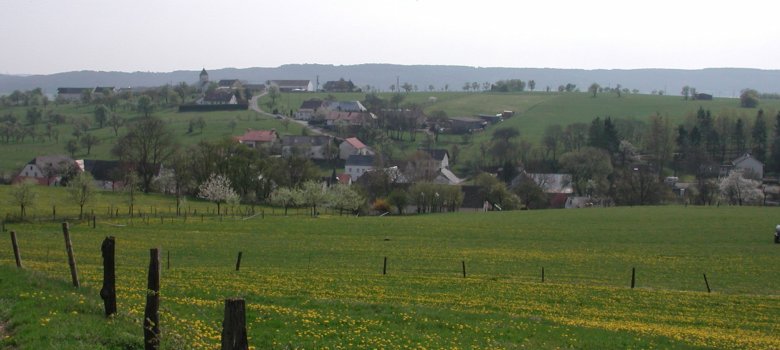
255, 138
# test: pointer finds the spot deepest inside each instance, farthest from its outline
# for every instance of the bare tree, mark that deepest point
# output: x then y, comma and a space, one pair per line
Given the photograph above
23, 194
147, 144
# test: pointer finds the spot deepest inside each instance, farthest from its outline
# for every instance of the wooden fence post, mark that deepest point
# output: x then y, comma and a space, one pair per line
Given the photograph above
169, 259
74, 273
15, 245
542, 274
53, 213
384, 267
707, 283
633, 277
108, 292
463, 262
238, 261
234, 326
94, 221
151, 313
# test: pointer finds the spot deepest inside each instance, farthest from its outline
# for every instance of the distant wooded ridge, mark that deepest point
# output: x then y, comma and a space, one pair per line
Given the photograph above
720, 82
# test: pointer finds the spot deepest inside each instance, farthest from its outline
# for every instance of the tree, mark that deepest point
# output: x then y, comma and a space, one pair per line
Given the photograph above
343, 197
72, 147
594, 89
34, 115
531, 85
313, 194
407, 87
147, 144
88, 141
530, 192
217, 189
399, 199
145, 106
589, 168
86, 96
24, 195
686, 92
286, 197
115, 122
274, 93
759, 137
748, 98
81, 190
101, 115
774, 162
738, 190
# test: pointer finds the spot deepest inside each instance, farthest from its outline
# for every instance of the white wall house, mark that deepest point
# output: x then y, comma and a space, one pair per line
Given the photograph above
357, 165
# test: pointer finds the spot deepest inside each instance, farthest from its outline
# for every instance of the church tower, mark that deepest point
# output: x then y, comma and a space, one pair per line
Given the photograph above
204, 77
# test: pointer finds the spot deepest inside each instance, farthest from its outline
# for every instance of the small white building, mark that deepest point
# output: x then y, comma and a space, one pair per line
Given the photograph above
750, 166
357, 165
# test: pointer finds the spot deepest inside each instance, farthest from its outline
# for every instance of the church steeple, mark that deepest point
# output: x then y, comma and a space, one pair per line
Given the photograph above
204, 76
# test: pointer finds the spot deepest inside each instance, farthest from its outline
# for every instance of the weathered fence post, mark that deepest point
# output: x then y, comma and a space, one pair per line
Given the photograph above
238, 261
463, 262
108, 292
707, 283
74, 273
542, 274
53, 213
169, 259
234, 326
15, 245
151, 313
94, 221
384, 267
633, 277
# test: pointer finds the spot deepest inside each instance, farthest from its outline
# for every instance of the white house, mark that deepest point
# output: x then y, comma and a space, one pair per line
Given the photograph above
293, 85
312, 147
357, 165
353, 146
751, 167
44, 170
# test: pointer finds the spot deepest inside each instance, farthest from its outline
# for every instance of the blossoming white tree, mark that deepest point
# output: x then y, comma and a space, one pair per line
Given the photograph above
217, 189
736, 189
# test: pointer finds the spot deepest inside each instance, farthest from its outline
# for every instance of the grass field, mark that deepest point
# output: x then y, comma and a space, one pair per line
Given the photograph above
15, 155
317, 283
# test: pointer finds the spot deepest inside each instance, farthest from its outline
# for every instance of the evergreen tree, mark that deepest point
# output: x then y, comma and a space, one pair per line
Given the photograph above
759, 137
774, 162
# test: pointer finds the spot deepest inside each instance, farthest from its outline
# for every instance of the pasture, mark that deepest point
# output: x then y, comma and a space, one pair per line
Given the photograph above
317, 283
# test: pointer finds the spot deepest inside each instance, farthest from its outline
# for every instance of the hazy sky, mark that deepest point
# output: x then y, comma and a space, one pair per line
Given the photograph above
49, 36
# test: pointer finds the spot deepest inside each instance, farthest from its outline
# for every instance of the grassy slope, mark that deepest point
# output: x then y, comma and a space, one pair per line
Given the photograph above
317, 282
15, 155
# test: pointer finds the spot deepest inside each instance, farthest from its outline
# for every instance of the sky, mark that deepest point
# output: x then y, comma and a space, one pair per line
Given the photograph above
51, 36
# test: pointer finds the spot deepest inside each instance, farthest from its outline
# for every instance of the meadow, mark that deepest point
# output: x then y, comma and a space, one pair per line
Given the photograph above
317, 283
219, 125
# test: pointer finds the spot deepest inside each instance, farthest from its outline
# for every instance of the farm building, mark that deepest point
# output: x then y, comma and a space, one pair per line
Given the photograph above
293, 85
257, 138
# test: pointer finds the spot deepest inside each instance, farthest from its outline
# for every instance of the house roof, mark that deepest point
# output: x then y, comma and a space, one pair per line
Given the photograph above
437, 153
43, 161
351, 117
347, 106
448, 176
344, 179
104, 89
219, 95
102, 170
355, 142
360, 160
258, 136
312, 104
71, 90
466, 119
228, 82
743, 158
316, 140
292, 83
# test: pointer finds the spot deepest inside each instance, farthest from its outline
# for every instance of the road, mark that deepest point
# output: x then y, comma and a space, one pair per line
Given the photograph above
253, 105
